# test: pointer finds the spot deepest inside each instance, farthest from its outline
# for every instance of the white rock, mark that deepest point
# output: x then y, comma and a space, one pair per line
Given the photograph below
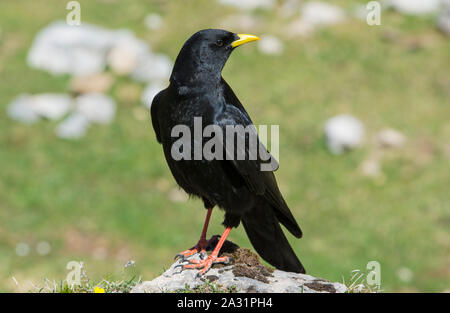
22, 249
405, 274
51, 106
390, 138
126, 52
249, 4
241, 21
43, 248
153, 67
27, 108
96, 107
126, 38
414, 7
270, 45
153, 21
82, 50
321, 13
314, 15
174, 280
150, 92
343, 132
443, 22
73, 127
86, 61
87, 49
122, 60
149, 66
20, 109
60, 48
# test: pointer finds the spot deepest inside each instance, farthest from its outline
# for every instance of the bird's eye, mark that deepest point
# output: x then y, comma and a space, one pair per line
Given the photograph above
219, 43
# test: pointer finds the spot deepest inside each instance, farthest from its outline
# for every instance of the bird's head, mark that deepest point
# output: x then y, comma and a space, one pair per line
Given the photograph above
204, 55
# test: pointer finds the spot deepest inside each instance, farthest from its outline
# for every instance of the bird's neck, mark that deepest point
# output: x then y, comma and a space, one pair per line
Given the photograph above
192, 72
196, 78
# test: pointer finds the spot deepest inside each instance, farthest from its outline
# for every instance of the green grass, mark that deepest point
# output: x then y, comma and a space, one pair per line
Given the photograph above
105, 198
122, 283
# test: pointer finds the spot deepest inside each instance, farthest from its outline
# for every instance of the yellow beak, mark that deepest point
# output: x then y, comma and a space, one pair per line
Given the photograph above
243, 38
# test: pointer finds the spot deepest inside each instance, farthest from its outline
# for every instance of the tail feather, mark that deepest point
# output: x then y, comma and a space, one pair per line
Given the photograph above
265, 234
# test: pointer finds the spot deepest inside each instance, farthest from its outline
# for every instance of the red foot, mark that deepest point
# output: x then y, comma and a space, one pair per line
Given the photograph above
206, 264
212, 258
201, 246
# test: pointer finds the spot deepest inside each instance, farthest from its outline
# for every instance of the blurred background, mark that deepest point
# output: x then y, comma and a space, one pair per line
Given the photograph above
364, 134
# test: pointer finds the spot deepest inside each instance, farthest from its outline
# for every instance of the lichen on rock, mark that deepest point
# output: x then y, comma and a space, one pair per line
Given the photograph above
246, 273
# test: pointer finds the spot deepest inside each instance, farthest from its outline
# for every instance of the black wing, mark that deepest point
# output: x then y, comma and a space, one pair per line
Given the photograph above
260, 182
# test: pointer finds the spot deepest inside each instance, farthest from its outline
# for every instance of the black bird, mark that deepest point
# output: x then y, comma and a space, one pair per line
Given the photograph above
239, 187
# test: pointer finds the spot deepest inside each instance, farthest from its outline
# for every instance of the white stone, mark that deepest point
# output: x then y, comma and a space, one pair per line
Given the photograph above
96, 107
20, 109
249, 4
174, 280
405, 274
343, 132
51, 106
315, 14
127, 52
22, 249
414, 7
60, 48
43, 248
241, 21
321, 13
126, 38
150, 92
73, 127
145, 65
82, 50
28, 108
270, 45
153, 21
153, 67
443, 22
122, 60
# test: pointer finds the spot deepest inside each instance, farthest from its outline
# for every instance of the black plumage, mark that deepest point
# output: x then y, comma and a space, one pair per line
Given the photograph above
239, 187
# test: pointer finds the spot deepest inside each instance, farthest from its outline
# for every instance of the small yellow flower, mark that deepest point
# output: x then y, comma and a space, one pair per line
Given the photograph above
99, 290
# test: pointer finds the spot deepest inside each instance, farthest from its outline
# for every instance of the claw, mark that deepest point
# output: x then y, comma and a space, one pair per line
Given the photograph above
205, 265
202, 254
185, 254
179, 265
179, 255
213, 258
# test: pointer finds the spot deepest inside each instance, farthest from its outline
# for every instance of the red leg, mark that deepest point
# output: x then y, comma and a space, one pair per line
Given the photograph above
201, 244
212, 258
